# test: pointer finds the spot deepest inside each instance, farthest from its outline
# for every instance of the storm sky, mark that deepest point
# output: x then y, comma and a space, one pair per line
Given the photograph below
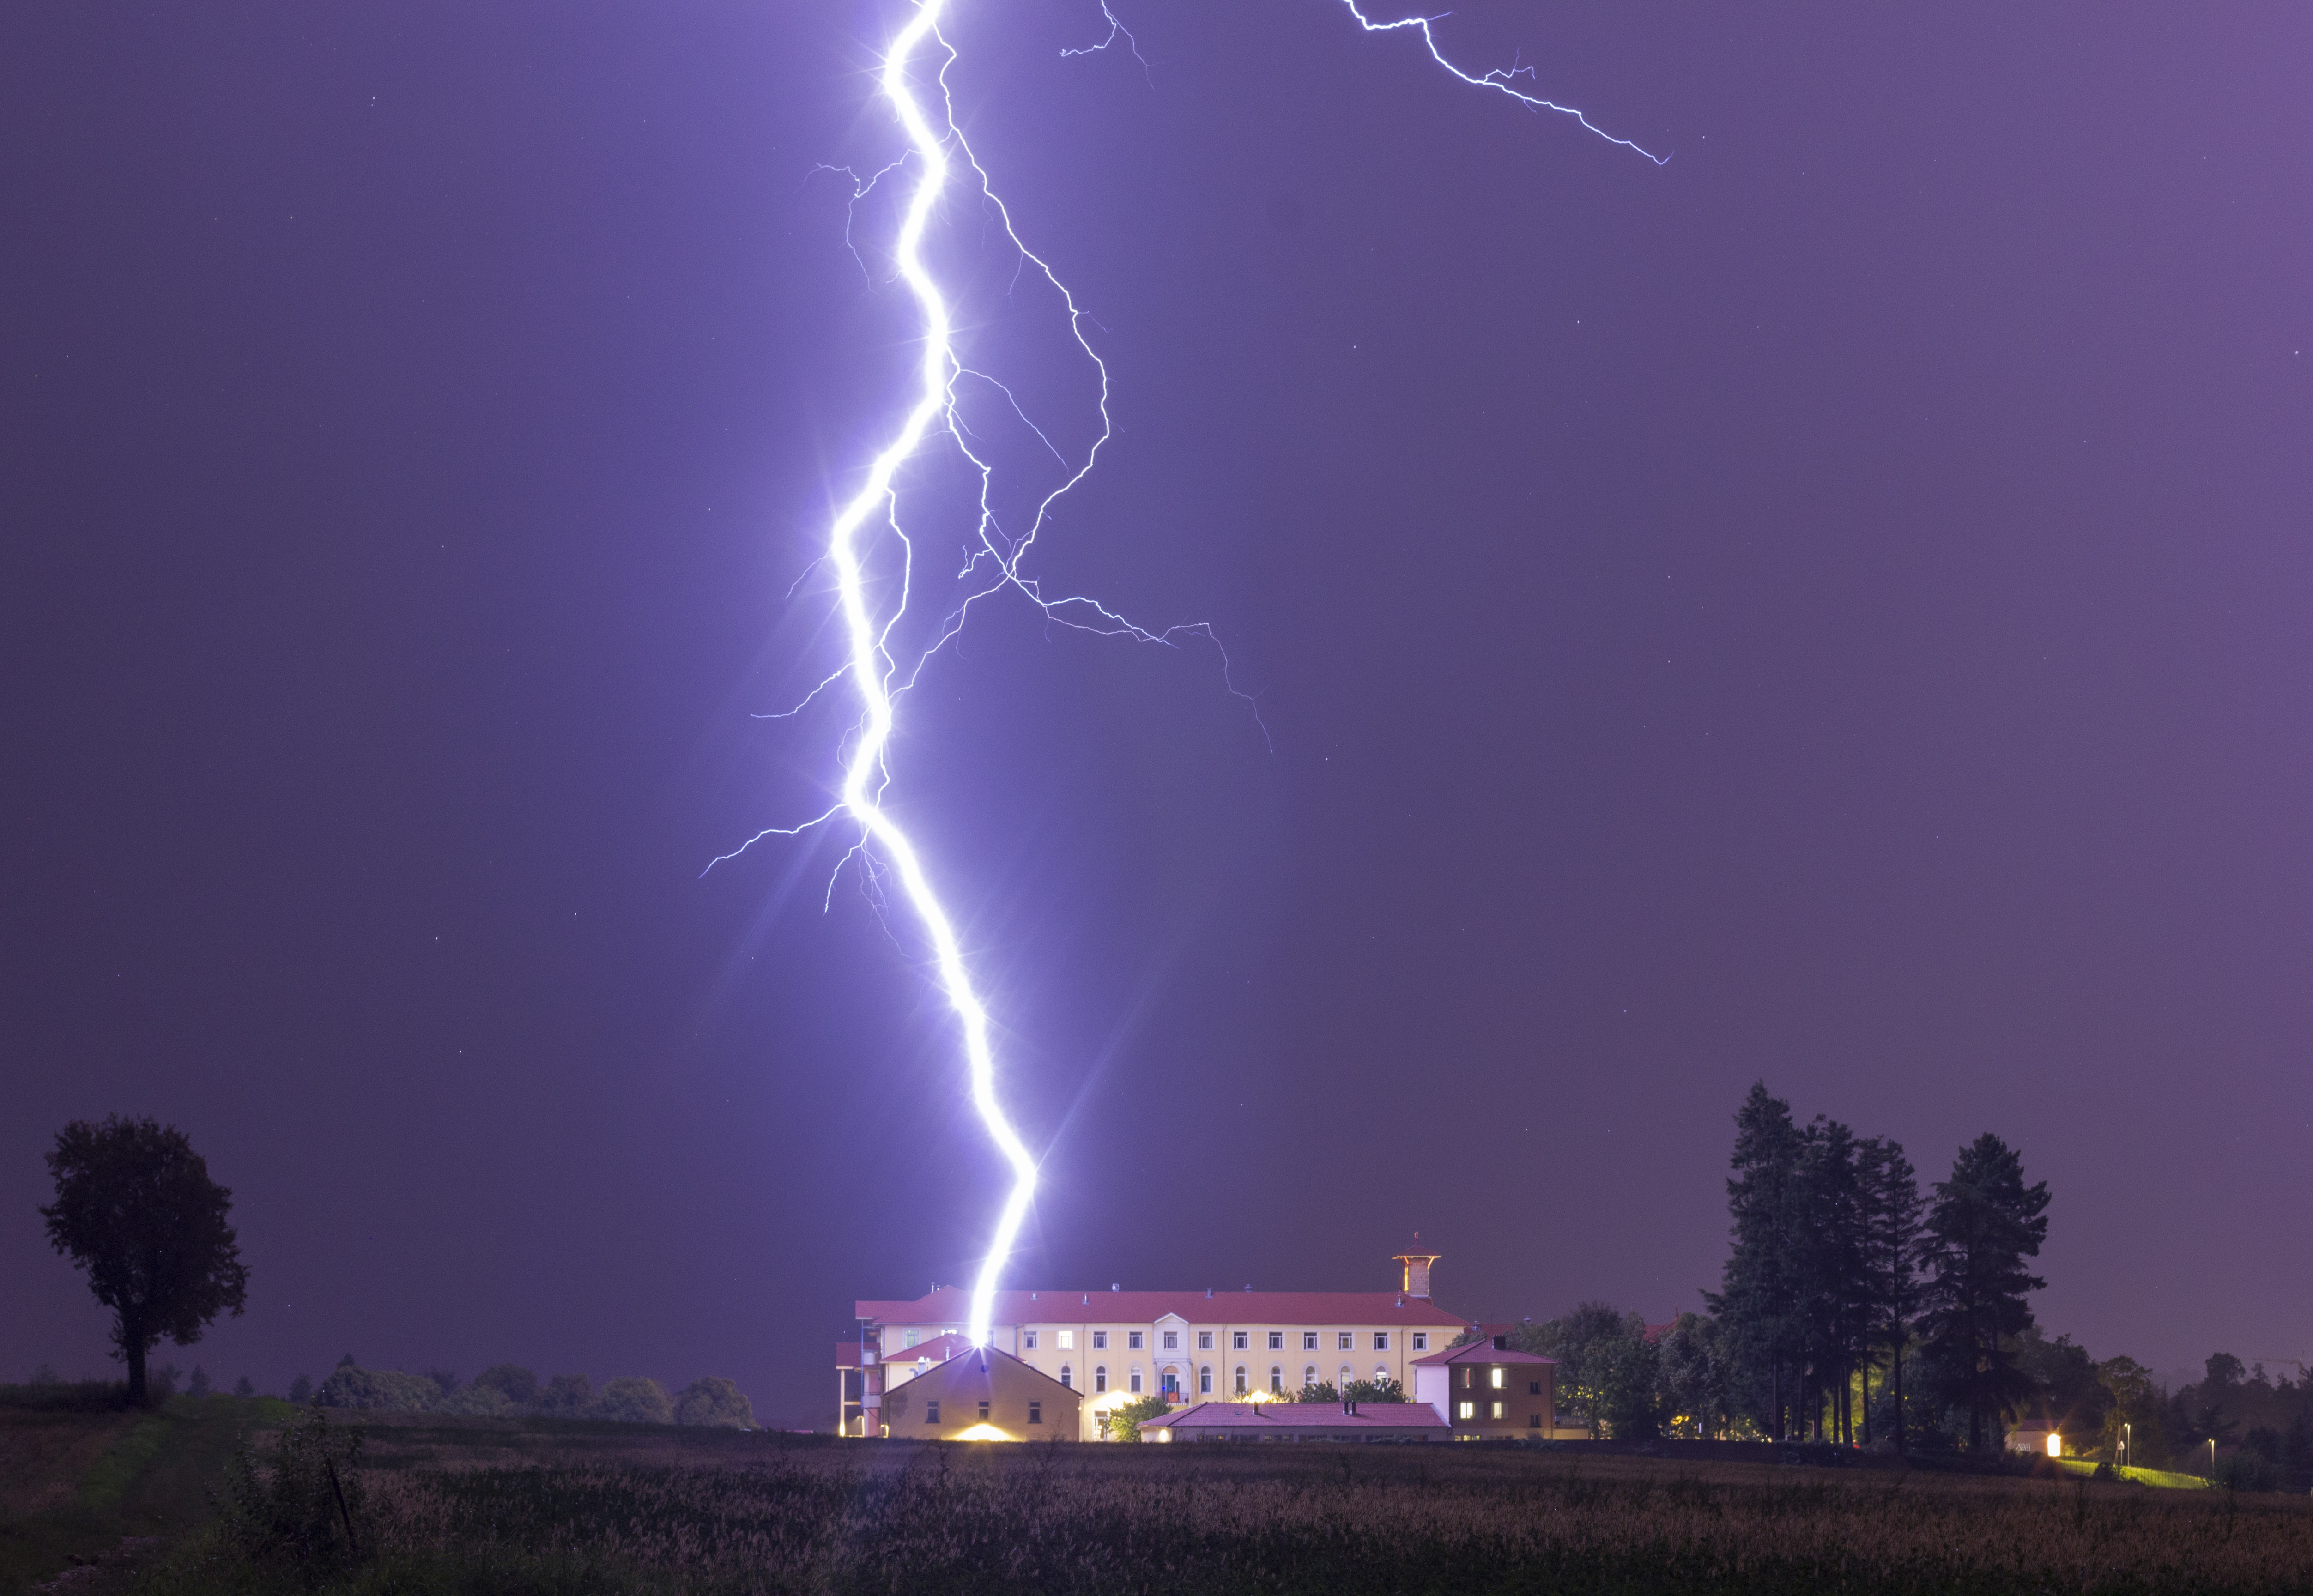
1831, 609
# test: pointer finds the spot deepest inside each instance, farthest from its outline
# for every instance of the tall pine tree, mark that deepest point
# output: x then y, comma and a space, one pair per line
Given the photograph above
1985, 1223
1891, 1216
1758, 1300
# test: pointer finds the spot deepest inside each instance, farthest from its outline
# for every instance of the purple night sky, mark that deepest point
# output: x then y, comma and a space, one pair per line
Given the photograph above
1836, 608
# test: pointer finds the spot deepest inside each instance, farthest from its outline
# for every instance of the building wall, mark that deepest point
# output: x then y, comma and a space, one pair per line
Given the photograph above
968, 1398
1082, 1359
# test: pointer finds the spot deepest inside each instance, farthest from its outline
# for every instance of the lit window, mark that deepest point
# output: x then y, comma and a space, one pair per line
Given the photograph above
1237, 1341
1100, 1378
931, 1413
1136, 1380
1029, 1341
983, 1410
1422, 1341
1068, 1376
1276, 1381
1497, 1410
1277, 1340
1308, 1340
1132, 1339
1100, 1340
1204, 1341
1497, 1371
1381, 1340
1205, 1380
1465, 1411
1067, 1339
1240, 1379
1036, 1413
1345, 1341
908, 1338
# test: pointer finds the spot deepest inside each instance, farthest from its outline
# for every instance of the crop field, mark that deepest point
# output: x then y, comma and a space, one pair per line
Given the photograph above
567, 1508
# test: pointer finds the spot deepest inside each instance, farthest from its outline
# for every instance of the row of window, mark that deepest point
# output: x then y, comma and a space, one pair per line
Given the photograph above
1470, 1410
1205, 1379
932, 1412
1240, 1340
1495, 1378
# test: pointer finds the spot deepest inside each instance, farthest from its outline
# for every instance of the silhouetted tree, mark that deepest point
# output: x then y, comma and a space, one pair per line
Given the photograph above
633, 1399
1983, 1223
517, 1384
1757, 1303
300, 1391
244, 1387
1891, 1218
198, 1385
137, 1209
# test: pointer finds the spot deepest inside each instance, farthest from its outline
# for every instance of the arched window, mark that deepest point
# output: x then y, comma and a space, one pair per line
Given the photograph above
1100, 1377
1240, 1379
1381, 1372
1205, 1380
1068, 1376
1308, 1375
1276, 1381
1347, 1376
1136, 1380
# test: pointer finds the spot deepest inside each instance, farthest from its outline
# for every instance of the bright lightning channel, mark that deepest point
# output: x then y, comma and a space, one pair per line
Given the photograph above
938, 148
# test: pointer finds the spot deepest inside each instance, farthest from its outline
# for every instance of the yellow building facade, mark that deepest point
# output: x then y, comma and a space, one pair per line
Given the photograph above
1116, 1346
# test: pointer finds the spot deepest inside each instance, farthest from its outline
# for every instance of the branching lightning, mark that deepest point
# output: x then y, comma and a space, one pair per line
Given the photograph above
938, 156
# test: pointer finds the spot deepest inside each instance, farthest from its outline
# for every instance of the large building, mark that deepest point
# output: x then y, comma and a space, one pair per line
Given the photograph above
1112, 1347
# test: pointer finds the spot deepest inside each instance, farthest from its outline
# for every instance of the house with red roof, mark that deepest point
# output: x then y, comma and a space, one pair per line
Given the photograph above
1114, 1346
1487, 1389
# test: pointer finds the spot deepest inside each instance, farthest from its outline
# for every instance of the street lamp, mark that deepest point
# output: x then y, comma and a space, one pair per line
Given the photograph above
2126, 1436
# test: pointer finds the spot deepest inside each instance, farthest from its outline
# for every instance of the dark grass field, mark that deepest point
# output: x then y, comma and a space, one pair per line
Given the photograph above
569, 1509
76, 1485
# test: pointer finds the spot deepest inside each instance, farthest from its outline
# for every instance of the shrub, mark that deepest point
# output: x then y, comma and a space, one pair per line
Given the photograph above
634, 1400
517, 1384
566, 1394
389, 1389
714, 1400
302, 1507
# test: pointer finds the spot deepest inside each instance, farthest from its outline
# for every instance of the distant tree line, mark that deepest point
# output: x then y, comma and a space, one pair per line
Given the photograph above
507, 1390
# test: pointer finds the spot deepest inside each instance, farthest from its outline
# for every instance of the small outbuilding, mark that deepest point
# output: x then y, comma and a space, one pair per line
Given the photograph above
1298, 1421
981, 1394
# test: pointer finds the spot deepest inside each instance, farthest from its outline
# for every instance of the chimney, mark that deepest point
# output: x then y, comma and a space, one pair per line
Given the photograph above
1119, 1285
1417, 1272
1501, 1344
1349, 1409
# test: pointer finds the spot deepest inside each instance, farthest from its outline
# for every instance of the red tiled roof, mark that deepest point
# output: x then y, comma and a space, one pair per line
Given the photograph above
1304, 1416
1480, 1352
951, 1305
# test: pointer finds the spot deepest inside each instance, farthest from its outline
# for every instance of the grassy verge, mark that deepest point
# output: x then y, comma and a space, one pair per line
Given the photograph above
2161, 1478
74, 1484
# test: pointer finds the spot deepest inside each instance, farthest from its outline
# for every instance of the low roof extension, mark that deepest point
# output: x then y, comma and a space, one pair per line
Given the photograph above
1300, 1415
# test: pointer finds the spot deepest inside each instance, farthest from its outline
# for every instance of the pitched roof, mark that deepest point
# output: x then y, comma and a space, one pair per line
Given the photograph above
1480, 1352
937, 1350
967, 1351
952, 1305
1303, 1416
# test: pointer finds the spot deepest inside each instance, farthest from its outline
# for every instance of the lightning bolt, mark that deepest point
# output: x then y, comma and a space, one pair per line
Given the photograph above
938, 154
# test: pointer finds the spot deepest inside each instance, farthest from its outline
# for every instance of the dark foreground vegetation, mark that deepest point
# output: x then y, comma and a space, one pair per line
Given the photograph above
563, 1510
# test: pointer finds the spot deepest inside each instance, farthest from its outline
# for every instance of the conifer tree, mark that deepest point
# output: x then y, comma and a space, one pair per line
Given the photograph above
1983, 1223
